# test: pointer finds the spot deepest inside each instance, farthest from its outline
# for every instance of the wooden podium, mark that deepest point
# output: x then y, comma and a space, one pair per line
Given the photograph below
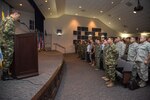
25, 62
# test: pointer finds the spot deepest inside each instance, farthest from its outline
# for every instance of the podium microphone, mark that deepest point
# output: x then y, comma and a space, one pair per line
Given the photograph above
24, 25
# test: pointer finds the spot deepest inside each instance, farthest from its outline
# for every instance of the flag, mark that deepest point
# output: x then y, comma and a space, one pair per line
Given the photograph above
3, 15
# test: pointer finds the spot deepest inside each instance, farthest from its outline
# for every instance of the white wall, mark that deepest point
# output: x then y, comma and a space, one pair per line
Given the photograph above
69, 23
25, 17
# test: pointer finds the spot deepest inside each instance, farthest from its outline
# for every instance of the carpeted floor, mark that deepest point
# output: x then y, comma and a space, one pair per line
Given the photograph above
25, 89
81, 82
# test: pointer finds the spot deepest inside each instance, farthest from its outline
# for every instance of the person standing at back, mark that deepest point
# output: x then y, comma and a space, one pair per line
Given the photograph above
111, 62
131, 55
120, 46
97, 54
7, 42
142, 59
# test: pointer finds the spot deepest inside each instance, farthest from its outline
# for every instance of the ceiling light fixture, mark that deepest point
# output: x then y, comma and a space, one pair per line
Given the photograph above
76, 14
20, 4
101, 11
80, 7
112, 2
119, 18
49, 8
109, 23
134, 12
45, 0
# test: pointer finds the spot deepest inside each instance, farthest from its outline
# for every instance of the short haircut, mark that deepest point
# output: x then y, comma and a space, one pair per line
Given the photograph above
15, 11
133, 37
146, 37
119, 37
112, 38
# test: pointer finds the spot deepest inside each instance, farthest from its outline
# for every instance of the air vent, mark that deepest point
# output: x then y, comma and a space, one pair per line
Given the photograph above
129, 4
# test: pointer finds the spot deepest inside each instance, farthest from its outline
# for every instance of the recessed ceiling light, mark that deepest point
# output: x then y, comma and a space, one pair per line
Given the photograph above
49, 8
101, 11
119, 18
20, 4
134, 12
80, 7
112, 2
76, 14
109, 23
45, 0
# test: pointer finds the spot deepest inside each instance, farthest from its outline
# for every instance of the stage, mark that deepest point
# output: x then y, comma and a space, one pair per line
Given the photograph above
25, 89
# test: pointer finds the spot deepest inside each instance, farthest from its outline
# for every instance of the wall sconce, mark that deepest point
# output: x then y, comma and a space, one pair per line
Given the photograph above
59, 32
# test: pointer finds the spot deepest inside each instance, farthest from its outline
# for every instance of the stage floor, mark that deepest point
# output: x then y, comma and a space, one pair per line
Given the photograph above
26, 88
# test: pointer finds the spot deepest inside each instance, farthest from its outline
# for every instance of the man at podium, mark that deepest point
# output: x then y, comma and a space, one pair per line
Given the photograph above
7, 32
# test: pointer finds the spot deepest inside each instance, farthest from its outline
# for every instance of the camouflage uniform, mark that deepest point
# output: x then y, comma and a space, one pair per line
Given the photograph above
104, 65
79, 50
111, 61
97, 55
141, 55
131, 57
121, 48
7, 42
82, 50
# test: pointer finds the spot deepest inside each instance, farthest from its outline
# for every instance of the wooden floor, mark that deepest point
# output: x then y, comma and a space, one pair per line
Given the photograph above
25, 89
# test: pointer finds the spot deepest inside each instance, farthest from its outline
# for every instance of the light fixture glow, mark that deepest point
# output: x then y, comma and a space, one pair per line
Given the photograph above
101, 11
134, 12
49, 8
80, 7
119, 18
20, 4
76, 14
45, 0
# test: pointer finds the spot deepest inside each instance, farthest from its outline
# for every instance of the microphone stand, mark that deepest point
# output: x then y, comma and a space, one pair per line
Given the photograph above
24, 25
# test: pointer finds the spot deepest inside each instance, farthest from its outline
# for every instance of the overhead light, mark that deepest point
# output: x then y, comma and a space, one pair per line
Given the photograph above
109, 23
119, 18
76, 14
45, 0
49, 8
80, 7
112, 2
59, 32
20, 4
101, 11
134, 12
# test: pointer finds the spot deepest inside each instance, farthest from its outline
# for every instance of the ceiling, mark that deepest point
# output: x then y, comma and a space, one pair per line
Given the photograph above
16, 4
116, 14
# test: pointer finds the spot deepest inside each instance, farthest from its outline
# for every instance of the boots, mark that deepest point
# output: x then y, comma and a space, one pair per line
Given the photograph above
5, 76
